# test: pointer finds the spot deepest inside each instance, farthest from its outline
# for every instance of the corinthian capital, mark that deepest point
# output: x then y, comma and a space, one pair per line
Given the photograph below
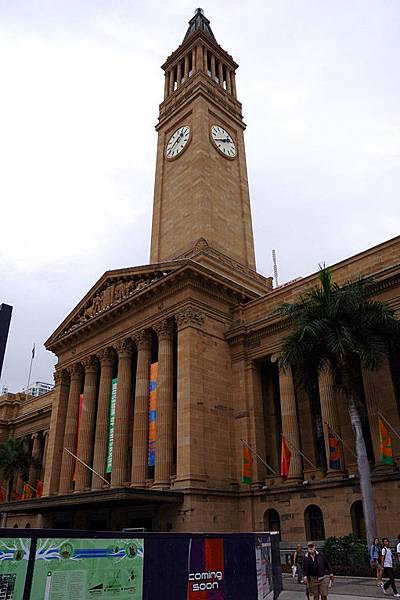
75, 371
164, 329
106, 356
142, 339
61, 377
189, 317
90, 363
124, 348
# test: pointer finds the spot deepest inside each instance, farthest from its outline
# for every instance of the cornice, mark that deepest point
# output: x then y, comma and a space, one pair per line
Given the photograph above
200, 85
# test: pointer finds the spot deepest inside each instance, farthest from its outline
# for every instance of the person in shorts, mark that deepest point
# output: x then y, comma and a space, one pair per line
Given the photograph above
317, 572
375, 559
298, 562
387, 563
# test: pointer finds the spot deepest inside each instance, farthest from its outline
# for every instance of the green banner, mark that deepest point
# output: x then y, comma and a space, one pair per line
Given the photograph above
88, 569
14, 555
113, 401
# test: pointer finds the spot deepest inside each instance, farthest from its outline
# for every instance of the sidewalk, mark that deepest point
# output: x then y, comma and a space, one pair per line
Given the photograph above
344, 588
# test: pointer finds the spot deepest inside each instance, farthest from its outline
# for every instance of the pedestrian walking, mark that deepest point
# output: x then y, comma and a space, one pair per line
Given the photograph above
375, 559
298, 562
398, 548
317, 572
387, 563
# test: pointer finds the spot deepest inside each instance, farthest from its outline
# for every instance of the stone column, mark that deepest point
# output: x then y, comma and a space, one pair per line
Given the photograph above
199, 58
233, 83
87, 425
228, 81
44, 454
186, 71
205, 59
179, 73
329, 414
379, 395
171, 80
166, 84
71, 428
193, 60
103, 417
122, 413
256, 419
165, 407
213, 72
290, 426
34, 469
141, 417
221, 74
54, 453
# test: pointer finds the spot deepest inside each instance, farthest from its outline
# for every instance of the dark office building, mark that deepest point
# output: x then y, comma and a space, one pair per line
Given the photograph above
5, 318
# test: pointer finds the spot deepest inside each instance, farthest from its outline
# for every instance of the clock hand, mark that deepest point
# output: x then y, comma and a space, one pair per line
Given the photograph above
226, 140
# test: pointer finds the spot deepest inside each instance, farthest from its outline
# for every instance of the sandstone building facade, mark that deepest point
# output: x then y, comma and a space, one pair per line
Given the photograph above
206, 318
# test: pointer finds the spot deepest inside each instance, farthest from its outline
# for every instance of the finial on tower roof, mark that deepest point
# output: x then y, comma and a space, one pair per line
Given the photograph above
199, 21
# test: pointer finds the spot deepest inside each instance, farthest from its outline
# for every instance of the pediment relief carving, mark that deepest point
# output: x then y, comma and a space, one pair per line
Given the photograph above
111, 293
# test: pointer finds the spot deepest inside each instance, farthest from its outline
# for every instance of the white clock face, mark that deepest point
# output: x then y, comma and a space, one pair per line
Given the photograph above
223, 140
178, 141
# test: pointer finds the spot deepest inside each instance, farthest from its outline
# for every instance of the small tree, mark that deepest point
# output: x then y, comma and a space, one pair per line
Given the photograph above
339, 327
14, 460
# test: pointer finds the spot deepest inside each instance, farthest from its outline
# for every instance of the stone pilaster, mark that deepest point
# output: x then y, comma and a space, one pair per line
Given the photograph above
53, 456
379, 395
329, 413
141, 416
71, 429
122, 412
34, 468
103, 417
256, 419
164, 419
87, 424
190, 401
290, 427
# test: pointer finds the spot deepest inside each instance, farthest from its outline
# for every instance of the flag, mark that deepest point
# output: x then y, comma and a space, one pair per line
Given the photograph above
334, 450
39, 489
285, 458
27, 492
386, 444
33, 351
247, 465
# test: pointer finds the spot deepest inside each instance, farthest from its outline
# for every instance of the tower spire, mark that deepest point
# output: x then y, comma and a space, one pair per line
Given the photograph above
199, 22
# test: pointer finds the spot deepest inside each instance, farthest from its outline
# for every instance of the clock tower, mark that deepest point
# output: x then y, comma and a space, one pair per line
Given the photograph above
201, 187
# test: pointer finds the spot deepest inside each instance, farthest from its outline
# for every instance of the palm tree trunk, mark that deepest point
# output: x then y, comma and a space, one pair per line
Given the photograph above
8, 499
364, 471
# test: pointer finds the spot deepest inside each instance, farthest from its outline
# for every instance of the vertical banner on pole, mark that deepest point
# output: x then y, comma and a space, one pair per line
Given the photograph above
113, 400
152, 414
77, 435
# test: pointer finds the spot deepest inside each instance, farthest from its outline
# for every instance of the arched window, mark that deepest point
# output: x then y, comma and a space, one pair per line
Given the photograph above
357, 520
27, 526
15, 525
272, 521
314, 522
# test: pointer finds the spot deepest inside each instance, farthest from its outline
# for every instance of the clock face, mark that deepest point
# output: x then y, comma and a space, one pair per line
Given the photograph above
223, 140
178, 141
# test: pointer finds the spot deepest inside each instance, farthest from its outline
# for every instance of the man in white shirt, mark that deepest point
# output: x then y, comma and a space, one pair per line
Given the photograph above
398, 548
387, 563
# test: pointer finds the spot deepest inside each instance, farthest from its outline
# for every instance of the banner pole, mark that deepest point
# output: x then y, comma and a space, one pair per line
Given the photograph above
86, 465
388, 424
299, 452
341, 439
259, 457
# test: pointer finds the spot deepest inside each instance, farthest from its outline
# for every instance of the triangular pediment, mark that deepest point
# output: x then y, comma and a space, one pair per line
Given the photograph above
112, 289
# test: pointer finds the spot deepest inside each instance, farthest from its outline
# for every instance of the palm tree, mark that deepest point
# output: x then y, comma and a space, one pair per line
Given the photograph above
14, 460
340, 327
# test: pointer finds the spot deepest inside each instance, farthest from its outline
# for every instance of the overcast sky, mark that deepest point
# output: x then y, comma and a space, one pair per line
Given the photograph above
80, 88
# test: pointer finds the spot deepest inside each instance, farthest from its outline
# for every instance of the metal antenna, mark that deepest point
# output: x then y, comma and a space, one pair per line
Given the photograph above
275, 268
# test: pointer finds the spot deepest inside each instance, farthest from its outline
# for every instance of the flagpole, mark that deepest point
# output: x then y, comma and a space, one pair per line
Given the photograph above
388, 424
259, 457
341, 439
86, 465
30, 369
299, 452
